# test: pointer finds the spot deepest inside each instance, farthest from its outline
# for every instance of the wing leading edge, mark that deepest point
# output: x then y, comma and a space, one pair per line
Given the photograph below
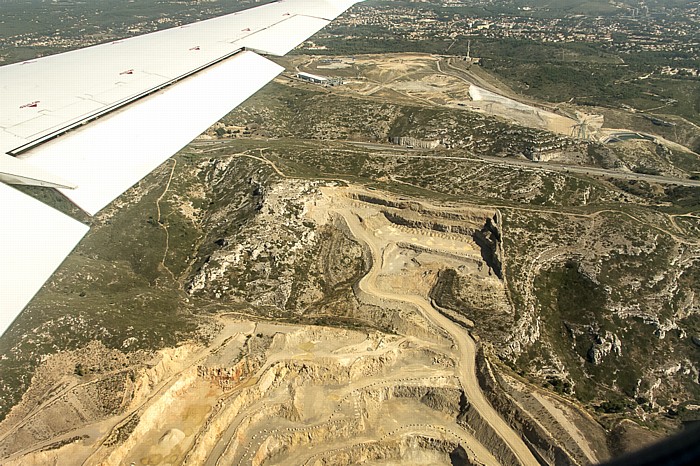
94, 121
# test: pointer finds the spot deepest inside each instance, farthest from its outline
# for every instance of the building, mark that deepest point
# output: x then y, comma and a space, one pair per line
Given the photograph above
312, 78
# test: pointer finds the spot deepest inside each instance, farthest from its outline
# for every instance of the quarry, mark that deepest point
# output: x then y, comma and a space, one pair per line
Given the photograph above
268, 393
406, 268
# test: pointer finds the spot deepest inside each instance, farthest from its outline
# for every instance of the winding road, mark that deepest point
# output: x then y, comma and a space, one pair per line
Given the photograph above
464, 345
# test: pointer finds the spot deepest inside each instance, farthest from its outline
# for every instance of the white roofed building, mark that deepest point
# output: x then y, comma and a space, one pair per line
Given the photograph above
312, 78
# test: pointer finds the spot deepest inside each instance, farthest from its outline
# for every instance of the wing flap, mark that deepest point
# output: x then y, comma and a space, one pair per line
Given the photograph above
324, 9
34, 241
101, 118
282, 37
41, 96
15, 171
110, 155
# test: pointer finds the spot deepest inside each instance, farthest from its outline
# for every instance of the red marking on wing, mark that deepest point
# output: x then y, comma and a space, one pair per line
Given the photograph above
30, 104
195, 48
127, 72
246, 30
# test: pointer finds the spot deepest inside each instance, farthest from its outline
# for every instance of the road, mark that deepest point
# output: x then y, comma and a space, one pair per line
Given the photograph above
529, 164
465, 345
404, 152
602, 172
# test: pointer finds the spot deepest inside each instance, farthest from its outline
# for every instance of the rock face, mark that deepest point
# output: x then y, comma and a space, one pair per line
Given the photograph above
627, 436
482, 227
603, 346
411, 449
258, 262
413, 142
550, 446
489, 240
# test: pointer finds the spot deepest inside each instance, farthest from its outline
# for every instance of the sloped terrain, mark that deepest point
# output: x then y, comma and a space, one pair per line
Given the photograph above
265, 392
275, 300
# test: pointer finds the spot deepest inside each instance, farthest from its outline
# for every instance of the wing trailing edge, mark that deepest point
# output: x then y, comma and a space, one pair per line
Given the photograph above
93, 122
34, 241
106, 158
15, 171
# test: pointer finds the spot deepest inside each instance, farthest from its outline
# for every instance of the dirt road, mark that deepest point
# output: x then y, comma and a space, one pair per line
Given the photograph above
464, 344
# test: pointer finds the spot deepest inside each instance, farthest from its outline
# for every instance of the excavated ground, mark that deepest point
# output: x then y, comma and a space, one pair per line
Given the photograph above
265, 264
267, 393
435, 81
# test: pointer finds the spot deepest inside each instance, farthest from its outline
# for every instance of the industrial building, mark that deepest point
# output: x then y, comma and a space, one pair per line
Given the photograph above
313, 78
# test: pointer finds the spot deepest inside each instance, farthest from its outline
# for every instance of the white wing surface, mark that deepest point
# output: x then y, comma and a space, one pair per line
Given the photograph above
105, 159
94, 121
34, 240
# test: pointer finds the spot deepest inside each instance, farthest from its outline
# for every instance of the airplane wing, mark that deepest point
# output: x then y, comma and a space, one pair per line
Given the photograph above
94, 121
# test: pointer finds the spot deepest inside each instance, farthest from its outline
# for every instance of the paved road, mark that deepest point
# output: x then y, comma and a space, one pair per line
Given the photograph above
555, 167
398, 151
545, 166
